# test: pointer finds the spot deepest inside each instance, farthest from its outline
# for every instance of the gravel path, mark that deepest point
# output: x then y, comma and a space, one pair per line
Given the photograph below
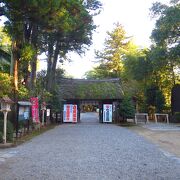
88, 152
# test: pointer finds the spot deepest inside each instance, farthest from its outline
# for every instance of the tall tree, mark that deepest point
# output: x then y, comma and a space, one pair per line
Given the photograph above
29, 23
74, 34
166, 35
117, 45
165, 54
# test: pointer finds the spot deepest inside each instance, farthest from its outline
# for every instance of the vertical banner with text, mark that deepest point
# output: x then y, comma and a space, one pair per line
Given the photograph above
107, 113
70, 113
35, 109
74, 113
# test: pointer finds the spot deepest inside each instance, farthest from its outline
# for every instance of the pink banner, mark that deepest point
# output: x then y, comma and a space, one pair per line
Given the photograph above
35, 109
74, 113
68, 112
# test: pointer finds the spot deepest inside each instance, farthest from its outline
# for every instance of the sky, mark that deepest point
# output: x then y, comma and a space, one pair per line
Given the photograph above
134, 15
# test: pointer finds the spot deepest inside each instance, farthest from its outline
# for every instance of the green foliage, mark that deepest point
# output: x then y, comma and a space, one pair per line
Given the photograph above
100, 72
41, 90
6, 88
9, 130
160, 101
140, 69
5, 55
138, 66
55, 102
5, 84
117, 46
53, 27
5, 40
73, 33
27, 52
121, 58
112, 58
127, 109
99, 90
164, 53
44, 95
23, 93
155, 97
166, 31
177, 116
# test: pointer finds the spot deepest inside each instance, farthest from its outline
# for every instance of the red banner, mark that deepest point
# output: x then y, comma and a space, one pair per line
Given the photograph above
35, 109
68, 112
74, 113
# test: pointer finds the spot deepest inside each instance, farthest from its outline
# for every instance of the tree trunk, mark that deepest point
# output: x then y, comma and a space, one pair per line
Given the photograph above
15, 61
33, 73
34, 60
12, 61
52, 62
55, 58
173, 74
49, 65
16, 74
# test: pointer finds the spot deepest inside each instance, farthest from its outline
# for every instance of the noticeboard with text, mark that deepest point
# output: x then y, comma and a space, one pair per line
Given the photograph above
107, 113
24, 112
70, 113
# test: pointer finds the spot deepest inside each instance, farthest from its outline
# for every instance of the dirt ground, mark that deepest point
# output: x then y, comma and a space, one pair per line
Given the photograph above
167, 140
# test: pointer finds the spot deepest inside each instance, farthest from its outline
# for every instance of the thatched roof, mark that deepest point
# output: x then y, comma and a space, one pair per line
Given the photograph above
89, 89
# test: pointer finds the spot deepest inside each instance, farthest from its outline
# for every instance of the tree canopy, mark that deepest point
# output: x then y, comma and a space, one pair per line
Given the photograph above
53, 27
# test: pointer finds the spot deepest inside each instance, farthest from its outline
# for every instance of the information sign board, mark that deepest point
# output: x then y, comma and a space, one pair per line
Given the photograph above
107, 113
23, 113
70, 113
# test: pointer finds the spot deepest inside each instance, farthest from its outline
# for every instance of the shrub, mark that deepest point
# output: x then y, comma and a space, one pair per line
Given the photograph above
155, 97
127, 109
177, 116
10, 131
5, 84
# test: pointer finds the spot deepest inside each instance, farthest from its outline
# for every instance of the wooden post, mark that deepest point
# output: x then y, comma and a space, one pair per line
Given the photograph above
155, 118
43, 117
100, 112
5, 126
147, 117
135, 119
167, 118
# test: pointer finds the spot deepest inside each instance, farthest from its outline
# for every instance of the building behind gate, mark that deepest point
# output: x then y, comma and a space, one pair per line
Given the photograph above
106, 94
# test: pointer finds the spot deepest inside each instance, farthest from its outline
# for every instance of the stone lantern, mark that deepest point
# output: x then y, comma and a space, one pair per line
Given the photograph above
43, 109
5, 108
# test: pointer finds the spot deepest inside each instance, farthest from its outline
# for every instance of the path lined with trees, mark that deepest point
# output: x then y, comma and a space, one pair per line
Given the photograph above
40, 26
91, 151
58, 27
